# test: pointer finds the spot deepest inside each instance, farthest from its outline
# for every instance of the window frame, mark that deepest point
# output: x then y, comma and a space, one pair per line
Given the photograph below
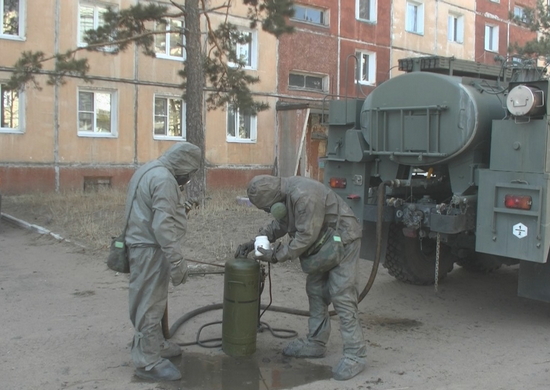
519, 14
372, 5
20, 129
455, 28
183, 113
324, 13
323, 77
236, 138
166, 55
20, 36
113, 111
415, 26
96, 18
371, 70
253, 50
491, 44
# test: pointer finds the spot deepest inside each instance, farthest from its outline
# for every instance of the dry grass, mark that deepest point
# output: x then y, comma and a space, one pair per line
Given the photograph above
91, 219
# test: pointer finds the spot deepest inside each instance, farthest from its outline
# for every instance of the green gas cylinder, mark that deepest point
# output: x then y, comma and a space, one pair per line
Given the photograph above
241, 305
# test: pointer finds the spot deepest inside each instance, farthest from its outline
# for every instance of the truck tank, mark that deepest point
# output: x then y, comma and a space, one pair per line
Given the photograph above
423, 118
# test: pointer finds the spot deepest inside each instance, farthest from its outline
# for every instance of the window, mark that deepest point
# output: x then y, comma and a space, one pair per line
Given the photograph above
240, 128
312, 15
11, 111
12, 22
304, 81
245, 50
96, 113
366, 70
415, 18
519, 14
169, 118
365, 10
90, 17
170, 45
455, 28
491, 38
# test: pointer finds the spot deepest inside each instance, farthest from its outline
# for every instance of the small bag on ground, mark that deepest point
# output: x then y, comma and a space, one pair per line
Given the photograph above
118, 256
325, 254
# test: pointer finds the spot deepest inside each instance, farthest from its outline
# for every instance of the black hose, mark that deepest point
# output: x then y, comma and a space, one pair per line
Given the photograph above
379, 221
380, 205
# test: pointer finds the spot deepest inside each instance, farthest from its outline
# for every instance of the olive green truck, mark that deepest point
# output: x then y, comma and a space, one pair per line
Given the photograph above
452, 159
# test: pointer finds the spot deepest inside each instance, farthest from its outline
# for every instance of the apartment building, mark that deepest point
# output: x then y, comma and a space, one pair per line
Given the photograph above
82, 135
476, 30
340, 49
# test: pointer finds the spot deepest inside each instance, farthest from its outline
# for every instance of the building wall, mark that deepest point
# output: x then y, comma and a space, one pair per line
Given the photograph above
434, 39
259, 153
497, 13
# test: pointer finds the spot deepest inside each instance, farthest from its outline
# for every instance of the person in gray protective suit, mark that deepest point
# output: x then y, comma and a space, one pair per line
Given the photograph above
156, 225
303, 208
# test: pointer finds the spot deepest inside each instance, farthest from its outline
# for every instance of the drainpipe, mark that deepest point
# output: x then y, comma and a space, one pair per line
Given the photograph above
56, 100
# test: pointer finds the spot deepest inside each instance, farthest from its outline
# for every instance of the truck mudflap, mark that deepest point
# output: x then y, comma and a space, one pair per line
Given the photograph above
533, 281
512, 215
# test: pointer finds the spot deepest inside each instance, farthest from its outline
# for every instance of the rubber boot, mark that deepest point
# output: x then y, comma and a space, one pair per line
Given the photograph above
168, 349
347, 368
305, 349
164, 371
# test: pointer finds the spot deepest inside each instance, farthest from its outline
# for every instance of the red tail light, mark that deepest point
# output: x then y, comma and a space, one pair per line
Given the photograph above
337, 182
522, 202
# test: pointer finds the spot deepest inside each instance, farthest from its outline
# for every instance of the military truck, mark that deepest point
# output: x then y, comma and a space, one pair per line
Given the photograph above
452, 157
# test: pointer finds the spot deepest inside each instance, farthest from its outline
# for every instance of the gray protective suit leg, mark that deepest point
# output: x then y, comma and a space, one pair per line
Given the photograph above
338, 286
148, 293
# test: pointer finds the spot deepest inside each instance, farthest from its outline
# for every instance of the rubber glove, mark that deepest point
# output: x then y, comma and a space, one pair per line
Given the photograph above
244, 249
179, 272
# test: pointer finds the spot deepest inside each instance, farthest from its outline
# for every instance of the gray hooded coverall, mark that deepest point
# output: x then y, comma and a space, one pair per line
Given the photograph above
156, 225
311, 206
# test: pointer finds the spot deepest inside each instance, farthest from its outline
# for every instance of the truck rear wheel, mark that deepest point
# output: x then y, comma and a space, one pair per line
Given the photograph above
412, 260
480, 262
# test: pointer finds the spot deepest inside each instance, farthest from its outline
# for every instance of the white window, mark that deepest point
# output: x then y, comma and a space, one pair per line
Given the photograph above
11, 14
11, 111
90, 17
246, 50
96, 113
365, 10
169, 118
491, 38
312, 15
307, 81
415, 18
366, 71
170, 44
455, 28
240, 127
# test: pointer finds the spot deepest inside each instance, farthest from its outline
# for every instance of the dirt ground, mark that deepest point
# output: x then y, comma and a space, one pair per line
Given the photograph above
65, 323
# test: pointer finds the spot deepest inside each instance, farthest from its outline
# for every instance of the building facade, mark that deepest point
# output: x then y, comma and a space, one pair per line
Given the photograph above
81, 135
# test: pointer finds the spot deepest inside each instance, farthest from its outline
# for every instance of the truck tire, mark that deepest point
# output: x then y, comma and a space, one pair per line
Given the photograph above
410, 262
480, 262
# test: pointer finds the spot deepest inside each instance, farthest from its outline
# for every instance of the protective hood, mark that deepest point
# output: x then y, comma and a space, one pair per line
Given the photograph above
182, 158
265, 190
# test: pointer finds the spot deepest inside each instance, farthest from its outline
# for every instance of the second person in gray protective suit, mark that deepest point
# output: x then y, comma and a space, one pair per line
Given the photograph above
303, 208
156, 225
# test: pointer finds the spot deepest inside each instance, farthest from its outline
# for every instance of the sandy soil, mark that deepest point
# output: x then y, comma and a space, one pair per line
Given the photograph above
65, 325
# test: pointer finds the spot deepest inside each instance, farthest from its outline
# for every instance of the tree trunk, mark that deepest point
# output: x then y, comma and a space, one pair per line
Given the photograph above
194, 103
